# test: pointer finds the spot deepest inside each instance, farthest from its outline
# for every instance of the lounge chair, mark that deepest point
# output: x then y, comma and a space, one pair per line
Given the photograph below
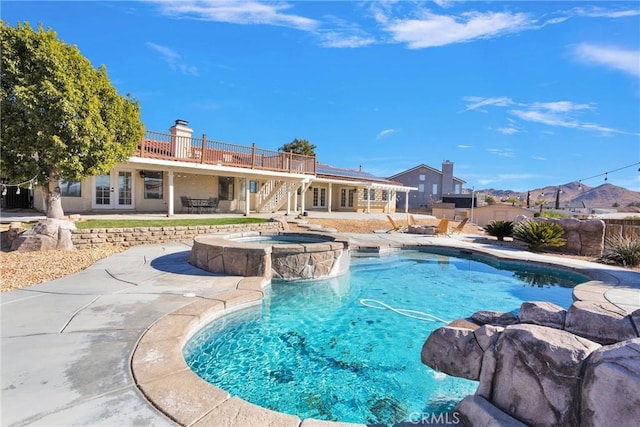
443, 227
411, 220
395, 225
458, 228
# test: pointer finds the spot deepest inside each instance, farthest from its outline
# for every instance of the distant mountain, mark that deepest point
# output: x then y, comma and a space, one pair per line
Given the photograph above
574, 195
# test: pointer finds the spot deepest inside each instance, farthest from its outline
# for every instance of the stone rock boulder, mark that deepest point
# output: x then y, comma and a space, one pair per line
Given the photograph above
583, 237
614, 371
454, 351
543, 314
603, 322
537, 374
48, 234
541, 368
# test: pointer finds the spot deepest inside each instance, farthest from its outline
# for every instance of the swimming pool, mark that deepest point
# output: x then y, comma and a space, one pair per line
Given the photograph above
316, 351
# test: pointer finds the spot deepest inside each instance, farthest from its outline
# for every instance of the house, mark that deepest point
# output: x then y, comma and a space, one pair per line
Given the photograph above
166, 168
430, 185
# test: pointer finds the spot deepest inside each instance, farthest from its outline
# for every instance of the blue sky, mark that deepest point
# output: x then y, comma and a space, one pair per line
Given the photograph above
519, 95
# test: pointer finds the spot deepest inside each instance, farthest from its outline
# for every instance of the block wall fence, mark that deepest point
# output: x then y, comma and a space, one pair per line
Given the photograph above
151, 235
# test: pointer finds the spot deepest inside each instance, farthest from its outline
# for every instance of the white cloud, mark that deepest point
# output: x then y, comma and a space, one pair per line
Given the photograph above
625, 60
174, 59
341, 40
508, 130
385, 133
600, 12
439, 30
475, 102
538, 158
463, 146
558, 114
501, 152
238, 12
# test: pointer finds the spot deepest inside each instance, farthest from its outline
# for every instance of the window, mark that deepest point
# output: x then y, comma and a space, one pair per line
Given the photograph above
254, 186
372, 194
153, 184
225, 188
319, 197
434, 189
422, 177
385, 195
365, 194
421, 188
69, 188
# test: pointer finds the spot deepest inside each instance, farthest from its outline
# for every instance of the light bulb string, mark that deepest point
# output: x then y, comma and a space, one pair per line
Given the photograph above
606, 174
20, 184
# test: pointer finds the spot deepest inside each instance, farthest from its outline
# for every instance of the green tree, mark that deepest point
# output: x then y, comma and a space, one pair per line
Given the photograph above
490, 200
61, 118
299, 146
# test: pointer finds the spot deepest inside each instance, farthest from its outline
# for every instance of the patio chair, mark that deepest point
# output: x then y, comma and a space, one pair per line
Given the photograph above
443, 227
187, 205
212, 204
395, 226
411, 220
458, 228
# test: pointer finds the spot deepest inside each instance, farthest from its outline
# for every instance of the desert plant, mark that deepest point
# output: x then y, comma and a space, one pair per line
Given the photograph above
622, 250
499, 229
539, 234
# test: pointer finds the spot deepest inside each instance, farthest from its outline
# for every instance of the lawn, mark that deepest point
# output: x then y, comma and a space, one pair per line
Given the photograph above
131, 223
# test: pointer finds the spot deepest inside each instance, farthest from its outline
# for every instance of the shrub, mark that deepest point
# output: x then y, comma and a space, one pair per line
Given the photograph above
621, 250
499, 229
553, 214
539, 234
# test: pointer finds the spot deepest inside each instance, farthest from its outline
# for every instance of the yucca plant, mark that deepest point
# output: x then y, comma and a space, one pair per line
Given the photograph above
539, 234
622, 250
499, 229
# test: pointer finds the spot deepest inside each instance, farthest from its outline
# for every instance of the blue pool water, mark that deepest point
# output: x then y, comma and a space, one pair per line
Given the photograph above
314, 350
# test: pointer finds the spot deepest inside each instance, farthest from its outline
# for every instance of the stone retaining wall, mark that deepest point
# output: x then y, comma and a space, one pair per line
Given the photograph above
152, 235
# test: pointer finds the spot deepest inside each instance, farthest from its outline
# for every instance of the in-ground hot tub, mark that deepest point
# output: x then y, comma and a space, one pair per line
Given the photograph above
273, 255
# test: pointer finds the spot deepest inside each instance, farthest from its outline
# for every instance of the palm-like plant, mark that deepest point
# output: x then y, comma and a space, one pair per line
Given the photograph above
539, 234
623, 250
499, 229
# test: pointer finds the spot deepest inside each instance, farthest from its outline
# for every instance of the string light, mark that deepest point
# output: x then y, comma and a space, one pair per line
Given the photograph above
606, 174
29, 183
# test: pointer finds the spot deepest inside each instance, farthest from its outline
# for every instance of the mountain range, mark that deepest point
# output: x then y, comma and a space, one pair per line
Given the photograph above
574, 195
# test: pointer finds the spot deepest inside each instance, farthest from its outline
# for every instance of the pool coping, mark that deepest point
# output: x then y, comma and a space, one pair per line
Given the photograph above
163, 377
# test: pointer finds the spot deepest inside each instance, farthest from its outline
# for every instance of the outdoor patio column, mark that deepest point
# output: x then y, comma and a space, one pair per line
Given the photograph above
406, 202
170, 213
247, 196
330, 198
288, 202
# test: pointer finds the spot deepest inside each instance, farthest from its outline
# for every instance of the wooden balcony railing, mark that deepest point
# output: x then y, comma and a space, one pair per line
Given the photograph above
165, 146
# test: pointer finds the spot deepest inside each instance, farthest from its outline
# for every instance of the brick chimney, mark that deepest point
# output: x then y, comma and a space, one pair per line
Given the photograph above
447, 177
181, 139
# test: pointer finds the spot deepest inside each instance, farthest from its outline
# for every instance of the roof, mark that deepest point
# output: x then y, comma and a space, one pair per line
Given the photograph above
328, 171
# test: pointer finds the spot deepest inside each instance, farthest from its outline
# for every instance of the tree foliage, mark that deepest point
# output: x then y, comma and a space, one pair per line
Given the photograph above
61, 117
299, 146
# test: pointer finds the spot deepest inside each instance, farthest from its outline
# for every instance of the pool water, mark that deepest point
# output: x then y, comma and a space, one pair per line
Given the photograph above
315, 351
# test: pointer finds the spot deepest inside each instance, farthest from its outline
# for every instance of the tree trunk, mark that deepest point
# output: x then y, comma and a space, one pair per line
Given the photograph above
53, 198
